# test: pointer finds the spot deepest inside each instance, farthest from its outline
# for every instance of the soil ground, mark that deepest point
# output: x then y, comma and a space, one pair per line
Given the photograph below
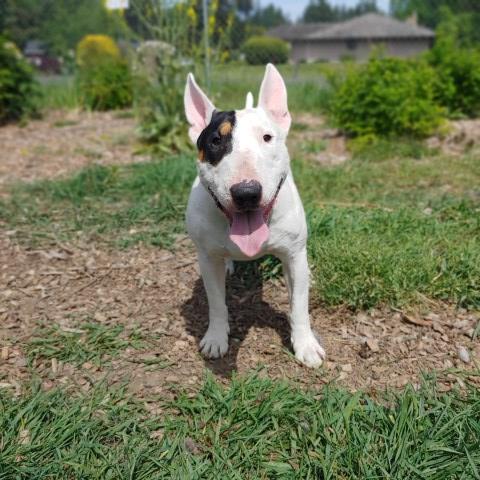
158, 295
63, 142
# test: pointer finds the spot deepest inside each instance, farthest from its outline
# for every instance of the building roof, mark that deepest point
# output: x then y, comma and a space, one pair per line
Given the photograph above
367, 27
297, 30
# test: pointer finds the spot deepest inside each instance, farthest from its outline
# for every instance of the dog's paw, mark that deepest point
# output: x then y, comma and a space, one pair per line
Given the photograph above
214, 344
308, 351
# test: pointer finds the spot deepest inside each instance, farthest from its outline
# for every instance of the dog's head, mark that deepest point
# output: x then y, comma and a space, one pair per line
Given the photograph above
242, 156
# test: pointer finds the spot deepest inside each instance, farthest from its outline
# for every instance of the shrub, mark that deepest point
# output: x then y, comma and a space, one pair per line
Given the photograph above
95, 49
159, 83
107, 86
458, 77
388, 96
103, 76
260, 50
18, 89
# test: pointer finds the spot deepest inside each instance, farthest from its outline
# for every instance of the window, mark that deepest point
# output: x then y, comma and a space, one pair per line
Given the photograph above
351, 44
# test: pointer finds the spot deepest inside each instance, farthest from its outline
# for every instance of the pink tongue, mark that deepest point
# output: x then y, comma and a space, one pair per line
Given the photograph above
249, 232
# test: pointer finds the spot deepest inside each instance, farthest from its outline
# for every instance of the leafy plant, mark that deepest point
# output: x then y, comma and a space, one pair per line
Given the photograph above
19, 91
95, 49
159, 80
386, 97
259, 50
104, 78
458, 71
106, 86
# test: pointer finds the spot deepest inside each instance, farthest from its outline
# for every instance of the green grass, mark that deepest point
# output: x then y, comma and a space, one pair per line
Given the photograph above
308, 89
391, 227
141, 202
384, 228
366, 257
254, 429
372, 148
89, 342
387, 175
312, 146
59, 92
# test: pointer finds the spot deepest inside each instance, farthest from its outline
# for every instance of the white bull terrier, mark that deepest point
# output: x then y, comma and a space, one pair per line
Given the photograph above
244, 204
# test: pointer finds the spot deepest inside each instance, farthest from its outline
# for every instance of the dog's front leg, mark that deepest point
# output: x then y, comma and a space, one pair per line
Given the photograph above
306, 347
215, 342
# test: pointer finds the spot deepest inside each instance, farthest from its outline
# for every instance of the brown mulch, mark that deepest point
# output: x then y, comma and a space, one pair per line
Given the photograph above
64, 142
160, 295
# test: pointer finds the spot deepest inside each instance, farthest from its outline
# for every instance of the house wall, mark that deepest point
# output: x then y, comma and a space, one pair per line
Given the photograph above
335, 50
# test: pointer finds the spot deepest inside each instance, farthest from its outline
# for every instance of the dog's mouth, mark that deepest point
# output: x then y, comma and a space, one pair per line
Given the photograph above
249, 229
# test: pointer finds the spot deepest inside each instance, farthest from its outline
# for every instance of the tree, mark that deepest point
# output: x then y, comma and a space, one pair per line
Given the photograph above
59, 23
245, 7
3, 15
22, 21
364, 6
433, 12
319, 11
322, 11
268, 17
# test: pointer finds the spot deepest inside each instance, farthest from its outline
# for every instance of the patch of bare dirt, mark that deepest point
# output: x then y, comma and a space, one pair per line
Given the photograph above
161, 295
462, 136
317, 142
63, 142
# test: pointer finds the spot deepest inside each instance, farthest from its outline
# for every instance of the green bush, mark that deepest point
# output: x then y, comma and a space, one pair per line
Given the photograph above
19, 91
106, 86
388, 96
103, 76
458, 79
457, 67
94, 49
261, 50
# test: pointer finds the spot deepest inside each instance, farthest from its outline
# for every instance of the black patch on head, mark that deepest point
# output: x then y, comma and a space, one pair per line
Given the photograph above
216, 139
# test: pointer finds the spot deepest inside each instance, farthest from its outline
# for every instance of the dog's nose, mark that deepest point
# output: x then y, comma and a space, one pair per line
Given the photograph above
246, 195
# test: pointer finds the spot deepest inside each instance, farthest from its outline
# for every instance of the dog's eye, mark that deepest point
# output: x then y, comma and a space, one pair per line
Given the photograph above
267, 137
216, 139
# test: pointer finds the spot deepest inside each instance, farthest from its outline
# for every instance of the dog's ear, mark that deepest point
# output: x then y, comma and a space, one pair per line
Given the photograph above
273, 97
249, 100
198, 108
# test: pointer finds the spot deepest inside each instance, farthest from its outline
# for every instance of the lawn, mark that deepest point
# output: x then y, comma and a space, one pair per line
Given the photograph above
229, 84
254, 429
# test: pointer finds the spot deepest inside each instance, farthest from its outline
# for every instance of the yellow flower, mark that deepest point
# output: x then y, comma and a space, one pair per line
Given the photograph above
96, 48
192, 15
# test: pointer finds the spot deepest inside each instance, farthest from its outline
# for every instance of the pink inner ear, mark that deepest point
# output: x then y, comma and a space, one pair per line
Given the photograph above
198, 108
273, 97
195, 108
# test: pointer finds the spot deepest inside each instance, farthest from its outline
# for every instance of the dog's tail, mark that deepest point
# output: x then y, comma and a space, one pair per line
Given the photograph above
249, 100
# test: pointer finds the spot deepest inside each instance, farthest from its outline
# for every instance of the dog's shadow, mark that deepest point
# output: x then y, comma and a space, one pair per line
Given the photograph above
246, 308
